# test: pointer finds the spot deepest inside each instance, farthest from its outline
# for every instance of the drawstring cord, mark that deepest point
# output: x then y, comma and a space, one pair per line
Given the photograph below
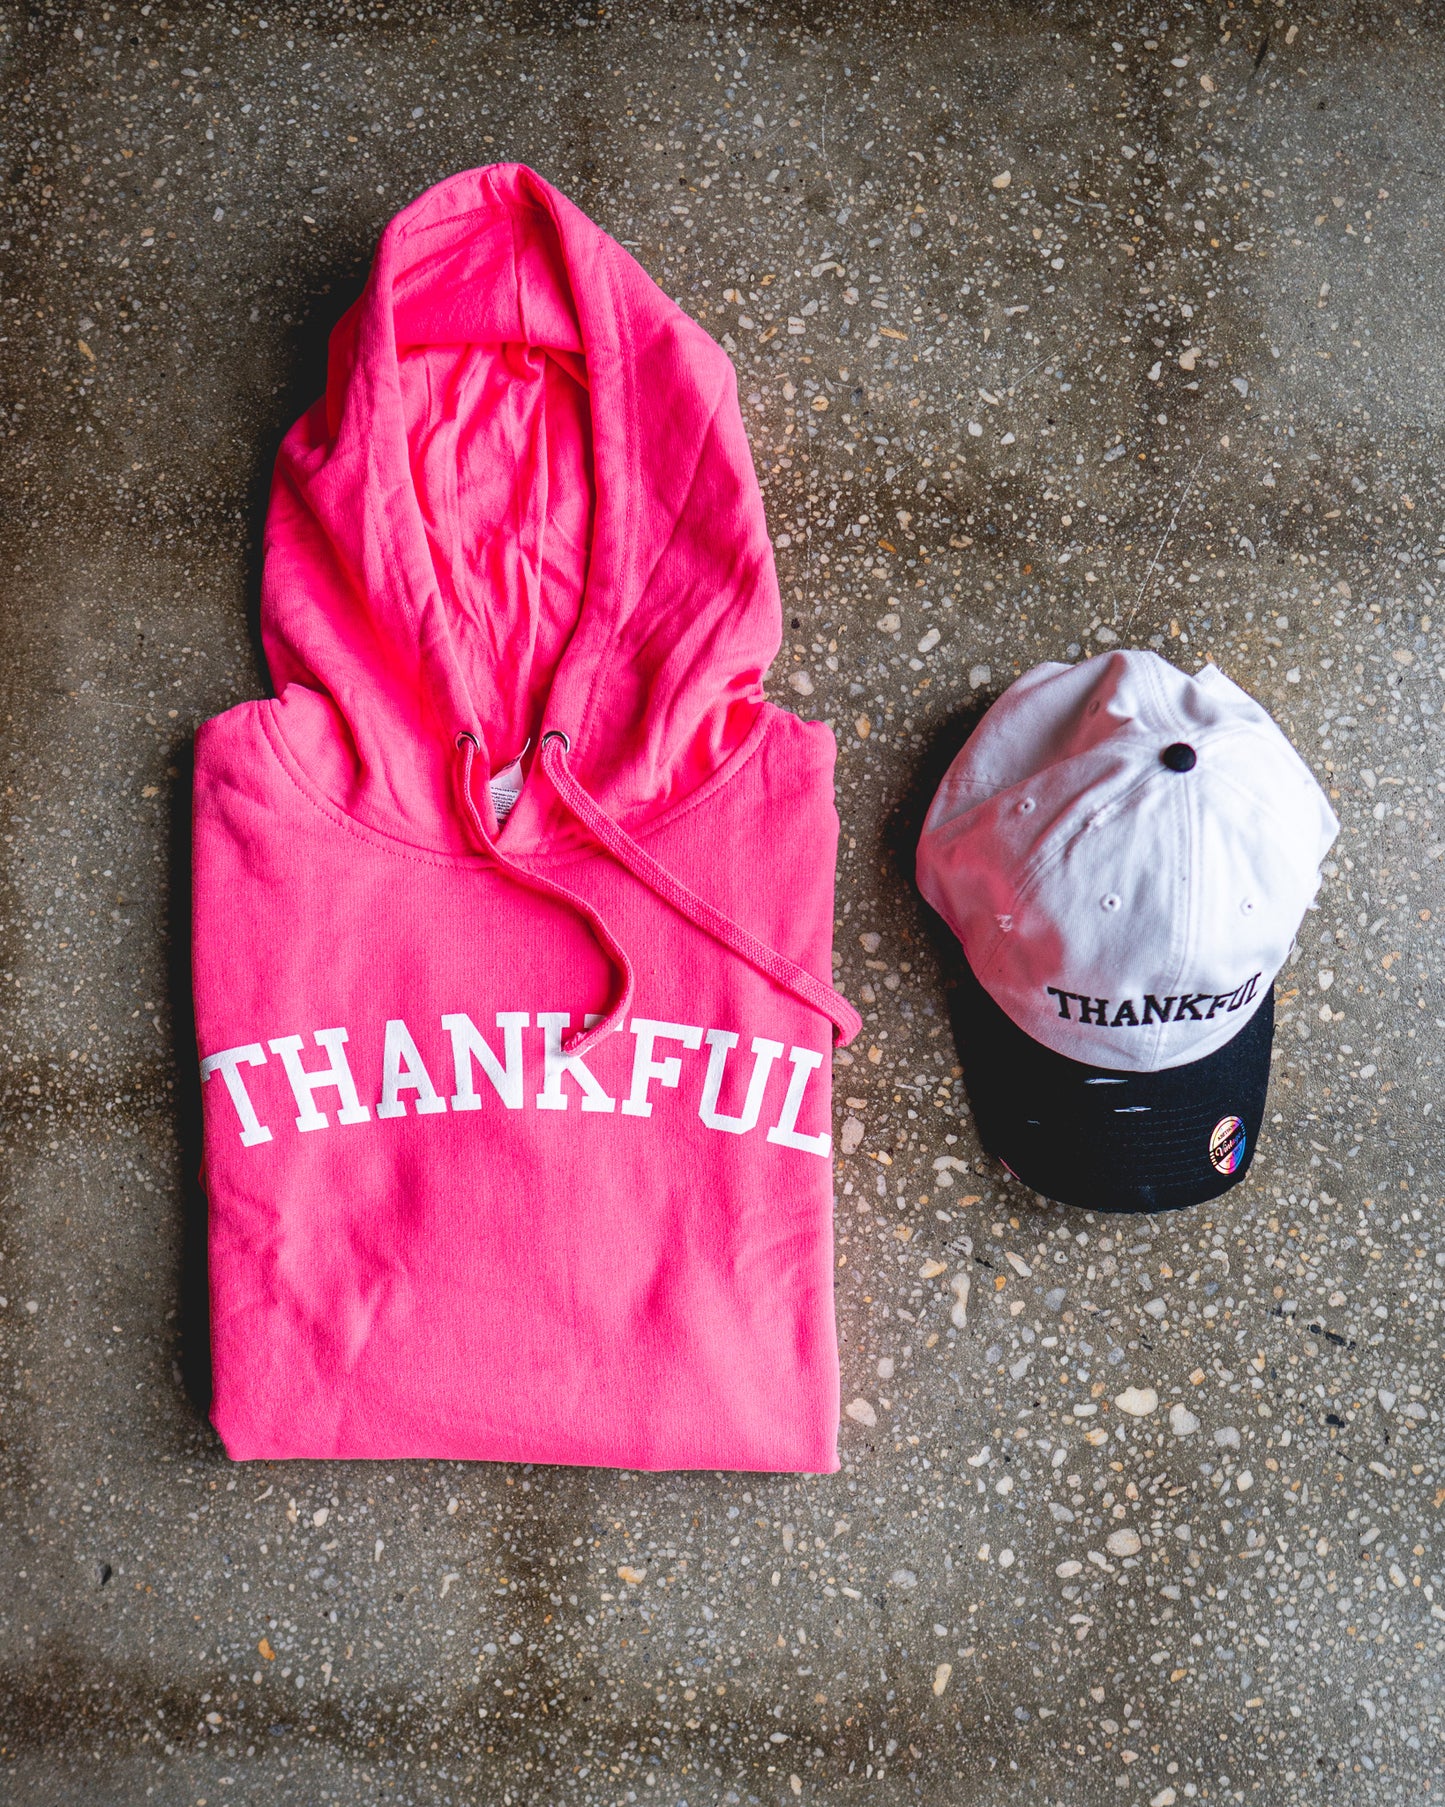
767, 960
786, 973
583, 1040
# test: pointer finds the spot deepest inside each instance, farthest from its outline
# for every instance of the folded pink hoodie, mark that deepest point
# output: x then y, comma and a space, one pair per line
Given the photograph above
513, 908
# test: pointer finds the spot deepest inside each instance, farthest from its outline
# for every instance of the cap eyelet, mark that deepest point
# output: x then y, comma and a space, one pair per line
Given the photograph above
1246, 907
1027, 807
1112, 902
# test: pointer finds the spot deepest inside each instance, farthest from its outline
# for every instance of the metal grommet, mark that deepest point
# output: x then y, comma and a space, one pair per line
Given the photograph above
557, 734
467, 739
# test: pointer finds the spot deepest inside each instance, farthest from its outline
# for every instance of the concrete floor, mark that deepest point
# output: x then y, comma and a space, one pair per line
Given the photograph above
1129, 333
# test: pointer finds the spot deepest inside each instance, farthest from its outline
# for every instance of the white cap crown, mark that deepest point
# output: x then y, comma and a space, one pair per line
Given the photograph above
1125, 853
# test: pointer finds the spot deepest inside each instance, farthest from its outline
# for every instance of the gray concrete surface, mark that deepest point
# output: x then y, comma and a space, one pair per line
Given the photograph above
1057, 328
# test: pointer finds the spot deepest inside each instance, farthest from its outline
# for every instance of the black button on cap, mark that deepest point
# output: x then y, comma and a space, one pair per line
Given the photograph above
1180, 757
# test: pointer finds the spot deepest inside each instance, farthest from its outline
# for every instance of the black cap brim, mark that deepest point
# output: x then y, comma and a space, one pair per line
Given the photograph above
1105, 1140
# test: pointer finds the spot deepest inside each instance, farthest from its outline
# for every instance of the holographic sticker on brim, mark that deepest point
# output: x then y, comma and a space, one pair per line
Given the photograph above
1226, 1145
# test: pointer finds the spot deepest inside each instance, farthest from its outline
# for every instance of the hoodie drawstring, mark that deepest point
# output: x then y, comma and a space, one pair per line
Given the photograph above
767, 960
583, 1040
620, 845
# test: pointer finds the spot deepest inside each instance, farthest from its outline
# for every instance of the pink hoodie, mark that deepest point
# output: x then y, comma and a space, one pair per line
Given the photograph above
519, 777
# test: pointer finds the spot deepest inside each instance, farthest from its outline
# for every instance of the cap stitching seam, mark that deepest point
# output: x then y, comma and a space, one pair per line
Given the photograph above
1047, 859
1184, 939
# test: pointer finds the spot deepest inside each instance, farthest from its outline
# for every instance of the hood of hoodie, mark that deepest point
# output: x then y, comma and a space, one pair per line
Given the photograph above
525, 503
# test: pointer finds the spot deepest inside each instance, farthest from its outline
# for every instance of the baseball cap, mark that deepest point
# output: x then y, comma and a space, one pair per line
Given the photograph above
1125, 853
